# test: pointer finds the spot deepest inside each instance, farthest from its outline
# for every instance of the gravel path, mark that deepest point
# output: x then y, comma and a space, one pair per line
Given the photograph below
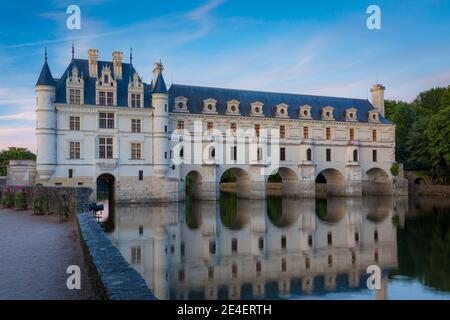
35, 252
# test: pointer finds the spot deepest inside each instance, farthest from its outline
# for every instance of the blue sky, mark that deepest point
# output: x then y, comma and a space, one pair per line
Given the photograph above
313, 47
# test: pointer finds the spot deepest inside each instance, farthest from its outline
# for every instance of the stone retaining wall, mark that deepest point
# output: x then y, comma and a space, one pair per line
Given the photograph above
112, 277
435, 190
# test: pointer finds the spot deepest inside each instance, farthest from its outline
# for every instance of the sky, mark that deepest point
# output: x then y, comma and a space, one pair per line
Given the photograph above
312, 47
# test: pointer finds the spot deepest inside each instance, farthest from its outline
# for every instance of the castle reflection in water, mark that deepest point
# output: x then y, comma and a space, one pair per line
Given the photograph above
257, 249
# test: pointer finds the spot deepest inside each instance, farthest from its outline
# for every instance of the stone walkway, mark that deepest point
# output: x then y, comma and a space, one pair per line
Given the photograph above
35, 252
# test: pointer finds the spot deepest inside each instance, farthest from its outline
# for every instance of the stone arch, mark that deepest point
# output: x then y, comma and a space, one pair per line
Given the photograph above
330, 181
282, 212
242, 186
377, 181
290, 183
331, 209
106, 194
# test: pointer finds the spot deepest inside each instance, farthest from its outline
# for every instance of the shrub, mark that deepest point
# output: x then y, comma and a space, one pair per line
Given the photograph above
395, 169
7, 199
64, 212
39, 204
20, 200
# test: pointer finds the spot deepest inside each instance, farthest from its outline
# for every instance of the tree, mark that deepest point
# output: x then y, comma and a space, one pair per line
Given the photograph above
428, 103
14, 153
404, 116
438, 134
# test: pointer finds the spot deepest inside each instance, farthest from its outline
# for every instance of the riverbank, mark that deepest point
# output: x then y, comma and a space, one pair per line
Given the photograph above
35, 252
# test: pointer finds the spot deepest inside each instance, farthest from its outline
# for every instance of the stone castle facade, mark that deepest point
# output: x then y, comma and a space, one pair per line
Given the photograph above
101, 121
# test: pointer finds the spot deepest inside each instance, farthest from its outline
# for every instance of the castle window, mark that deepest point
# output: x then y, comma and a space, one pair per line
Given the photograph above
356, 237
353, 258
352, 134
181, 153
261, 243
258, 267
282, 132
135, 100
305, 132
328, 155
74, 123
283, 265
135, 151
105, 148
355, 155
234, 153
106, 78
213, 153
212, 247
328, 133
310, 240
74, 96
102, 98
110, 98
135, 255
283, 242
209, 105
327, 113
181, 275
74, 150
257, 129
233, 127
283, 154
374, 135
106, 120
209, 127
141, 175
234, 270
281, 110
180, 125
307, 263
256, 108
305, 112
70, 173
375, 236
232, 107
350, 114
259, 154
308, 155
210, 272
234, 245
329, 238
135, 125
330, 260
374, 156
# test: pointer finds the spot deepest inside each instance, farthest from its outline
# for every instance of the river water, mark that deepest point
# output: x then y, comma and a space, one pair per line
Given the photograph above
288, 248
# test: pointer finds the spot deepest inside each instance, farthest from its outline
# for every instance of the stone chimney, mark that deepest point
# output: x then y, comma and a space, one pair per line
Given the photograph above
117, 64
378, 97
157, 69
93, 63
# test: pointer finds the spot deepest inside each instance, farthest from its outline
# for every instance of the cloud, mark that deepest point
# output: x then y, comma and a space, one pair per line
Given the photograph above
18, 137
200, 12
31, 115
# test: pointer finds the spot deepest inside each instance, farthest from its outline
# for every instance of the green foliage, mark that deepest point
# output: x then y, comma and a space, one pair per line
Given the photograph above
64, 212
14, 153
423, 132
20, 200
7, 199
39, 204
228, 176
275, 178
394, 169
438, 134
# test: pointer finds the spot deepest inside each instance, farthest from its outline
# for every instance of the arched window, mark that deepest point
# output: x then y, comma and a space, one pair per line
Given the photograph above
213, 153
308, 155
355, 155
181, 152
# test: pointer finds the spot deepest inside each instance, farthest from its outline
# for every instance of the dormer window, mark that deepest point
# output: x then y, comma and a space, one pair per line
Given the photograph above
105, 88
305, 112
257, 109
180, 104
327, 113
135, 92
209, 105
75, 87
350, 114
282, 110
233, 107
373, 116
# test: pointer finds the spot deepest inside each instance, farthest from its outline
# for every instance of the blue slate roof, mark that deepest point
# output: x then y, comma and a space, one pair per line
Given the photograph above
160, 85
196, 95
45, 77
89, 83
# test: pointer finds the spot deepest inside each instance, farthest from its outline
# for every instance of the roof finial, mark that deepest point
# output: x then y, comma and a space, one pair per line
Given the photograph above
131, 55
73, 49
45, 54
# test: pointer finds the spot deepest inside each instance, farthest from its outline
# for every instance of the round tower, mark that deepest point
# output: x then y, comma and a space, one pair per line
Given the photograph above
45, 123
160, 102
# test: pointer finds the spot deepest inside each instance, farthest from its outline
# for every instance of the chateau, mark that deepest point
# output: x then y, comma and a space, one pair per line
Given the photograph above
101, 124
